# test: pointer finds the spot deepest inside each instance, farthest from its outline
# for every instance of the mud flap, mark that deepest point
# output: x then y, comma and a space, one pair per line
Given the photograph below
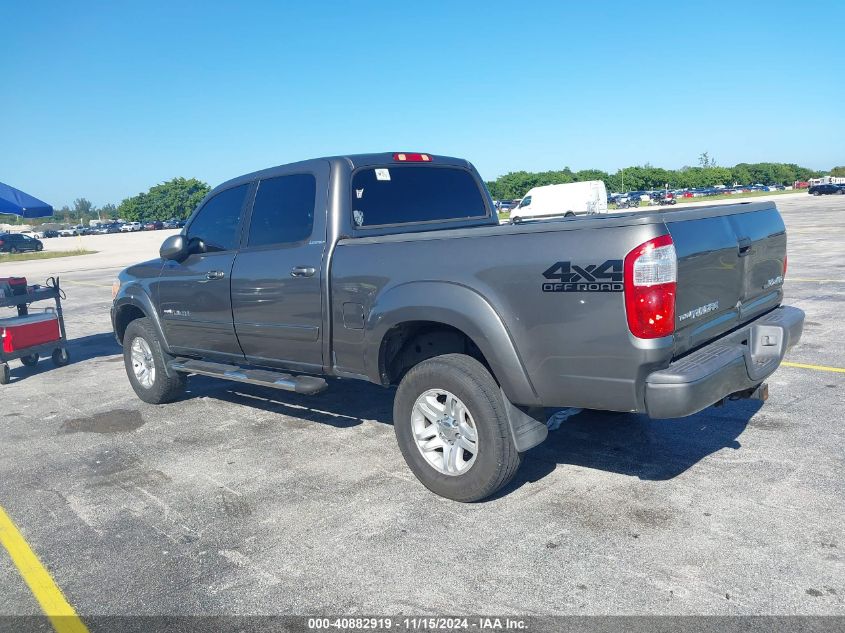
527, 430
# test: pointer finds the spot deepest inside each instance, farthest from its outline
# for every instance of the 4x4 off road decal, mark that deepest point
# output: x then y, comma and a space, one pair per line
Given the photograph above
569, 277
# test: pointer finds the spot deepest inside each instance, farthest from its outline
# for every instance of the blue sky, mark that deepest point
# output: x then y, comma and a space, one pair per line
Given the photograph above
103, 100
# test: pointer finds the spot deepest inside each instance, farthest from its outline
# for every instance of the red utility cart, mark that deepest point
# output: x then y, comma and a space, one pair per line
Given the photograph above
27, 336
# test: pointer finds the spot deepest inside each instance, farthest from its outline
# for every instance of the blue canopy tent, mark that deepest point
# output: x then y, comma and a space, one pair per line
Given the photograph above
16, 202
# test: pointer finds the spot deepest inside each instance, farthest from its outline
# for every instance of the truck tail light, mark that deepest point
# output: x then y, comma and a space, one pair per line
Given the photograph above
784, 265
651, 275
410, 157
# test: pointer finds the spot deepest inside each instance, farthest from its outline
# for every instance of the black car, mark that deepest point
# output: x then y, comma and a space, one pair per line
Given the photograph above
17, 243
826, 190
49, 233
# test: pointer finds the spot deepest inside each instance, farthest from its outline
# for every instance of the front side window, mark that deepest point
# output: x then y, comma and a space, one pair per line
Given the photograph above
217, 222
283, 212
525, 202
407, 194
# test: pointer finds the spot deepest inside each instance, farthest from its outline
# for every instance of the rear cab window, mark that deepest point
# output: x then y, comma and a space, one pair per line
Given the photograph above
393, 195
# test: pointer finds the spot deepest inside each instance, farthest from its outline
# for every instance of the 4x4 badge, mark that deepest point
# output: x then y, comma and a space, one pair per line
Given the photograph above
606, 277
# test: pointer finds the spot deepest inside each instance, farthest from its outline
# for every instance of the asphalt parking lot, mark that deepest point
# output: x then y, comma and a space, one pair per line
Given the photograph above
243, 500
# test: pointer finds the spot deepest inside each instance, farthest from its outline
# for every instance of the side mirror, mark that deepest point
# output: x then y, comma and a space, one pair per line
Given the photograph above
174, 248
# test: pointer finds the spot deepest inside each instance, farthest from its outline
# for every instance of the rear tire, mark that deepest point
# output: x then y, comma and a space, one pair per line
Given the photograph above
145, 364
479, 411
5, 374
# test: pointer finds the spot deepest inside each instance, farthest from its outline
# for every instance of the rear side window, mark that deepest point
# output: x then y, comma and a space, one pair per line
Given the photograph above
217, 222
398, 195
283, 212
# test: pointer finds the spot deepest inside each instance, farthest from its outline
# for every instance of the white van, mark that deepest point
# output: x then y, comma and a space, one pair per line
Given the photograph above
578, 198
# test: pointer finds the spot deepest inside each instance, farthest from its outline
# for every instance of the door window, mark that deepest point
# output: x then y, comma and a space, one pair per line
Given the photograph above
283, 212
217, 222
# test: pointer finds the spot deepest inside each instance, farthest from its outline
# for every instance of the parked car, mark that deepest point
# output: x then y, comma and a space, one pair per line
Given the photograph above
653, 311
131, 227
826, 190
70, 232
49, 233
155, 225
33, 234
18, 243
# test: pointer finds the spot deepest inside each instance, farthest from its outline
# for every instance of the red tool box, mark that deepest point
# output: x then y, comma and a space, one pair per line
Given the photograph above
21, 332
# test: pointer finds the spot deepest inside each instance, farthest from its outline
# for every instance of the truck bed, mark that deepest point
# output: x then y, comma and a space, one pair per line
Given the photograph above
575, 347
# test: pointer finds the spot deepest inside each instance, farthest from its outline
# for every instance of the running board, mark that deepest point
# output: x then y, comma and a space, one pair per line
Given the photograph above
305, 385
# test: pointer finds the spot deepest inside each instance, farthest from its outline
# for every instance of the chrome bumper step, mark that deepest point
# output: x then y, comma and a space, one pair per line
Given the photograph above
305, 385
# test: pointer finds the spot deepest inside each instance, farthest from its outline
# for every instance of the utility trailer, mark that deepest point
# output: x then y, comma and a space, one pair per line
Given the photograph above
27, 337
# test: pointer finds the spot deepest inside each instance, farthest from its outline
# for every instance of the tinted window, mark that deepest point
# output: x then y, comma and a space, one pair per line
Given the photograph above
217, 222
283, 212
393, 195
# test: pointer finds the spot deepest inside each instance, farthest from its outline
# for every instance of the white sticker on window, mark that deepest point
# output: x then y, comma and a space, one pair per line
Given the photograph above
382, 174
359, 193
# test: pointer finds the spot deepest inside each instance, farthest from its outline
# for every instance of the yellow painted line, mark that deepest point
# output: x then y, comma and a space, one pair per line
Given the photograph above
837, 370
49, 596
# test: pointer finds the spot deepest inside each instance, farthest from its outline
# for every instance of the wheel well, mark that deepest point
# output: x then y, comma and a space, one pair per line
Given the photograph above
408, 344
125, 315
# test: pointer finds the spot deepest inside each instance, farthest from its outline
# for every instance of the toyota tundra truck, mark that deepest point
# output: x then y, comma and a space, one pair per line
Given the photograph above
393, 268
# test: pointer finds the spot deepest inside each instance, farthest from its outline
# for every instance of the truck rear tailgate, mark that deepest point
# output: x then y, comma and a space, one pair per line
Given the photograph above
730, 270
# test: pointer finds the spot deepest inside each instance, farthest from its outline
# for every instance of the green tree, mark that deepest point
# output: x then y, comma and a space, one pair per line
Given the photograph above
706, 161
640, 177
838, 171
176, 198
107, 212
82, 206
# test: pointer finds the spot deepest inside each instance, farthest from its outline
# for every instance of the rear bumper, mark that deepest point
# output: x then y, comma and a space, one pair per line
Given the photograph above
736, 362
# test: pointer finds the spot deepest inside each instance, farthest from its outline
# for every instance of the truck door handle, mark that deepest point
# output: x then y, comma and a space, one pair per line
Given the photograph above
215, 274
303, 271
744, 246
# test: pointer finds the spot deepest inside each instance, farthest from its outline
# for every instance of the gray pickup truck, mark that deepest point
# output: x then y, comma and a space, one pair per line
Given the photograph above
393, 268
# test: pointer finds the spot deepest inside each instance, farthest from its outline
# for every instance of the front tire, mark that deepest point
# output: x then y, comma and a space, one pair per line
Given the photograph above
29, 361
451, 426
145, 365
